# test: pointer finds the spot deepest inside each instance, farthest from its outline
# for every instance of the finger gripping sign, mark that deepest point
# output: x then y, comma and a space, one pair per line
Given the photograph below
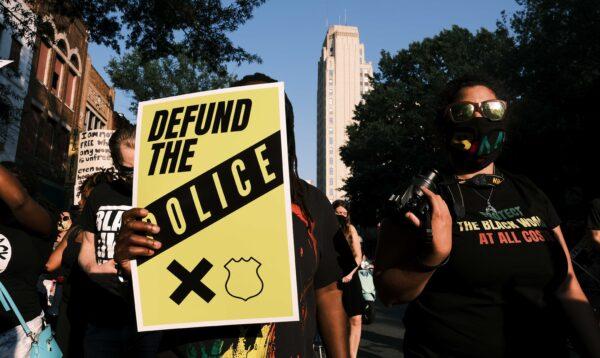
212, 170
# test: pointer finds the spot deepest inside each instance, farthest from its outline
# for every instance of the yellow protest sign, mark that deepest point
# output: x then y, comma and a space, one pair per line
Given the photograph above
212, 170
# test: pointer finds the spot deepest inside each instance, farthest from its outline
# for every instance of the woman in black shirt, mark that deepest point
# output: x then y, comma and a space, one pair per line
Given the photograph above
25, 241
496, 279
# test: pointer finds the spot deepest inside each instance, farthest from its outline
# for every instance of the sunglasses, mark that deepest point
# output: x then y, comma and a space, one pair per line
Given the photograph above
493, 109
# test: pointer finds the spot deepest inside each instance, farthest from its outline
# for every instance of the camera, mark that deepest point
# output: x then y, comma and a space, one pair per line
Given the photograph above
414, 200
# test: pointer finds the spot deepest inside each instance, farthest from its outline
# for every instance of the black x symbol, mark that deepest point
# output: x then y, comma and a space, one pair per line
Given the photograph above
191, 281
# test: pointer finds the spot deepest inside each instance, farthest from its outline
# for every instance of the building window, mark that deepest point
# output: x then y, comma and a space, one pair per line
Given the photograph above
331, 170
330, 181
45, 135
15, 54
71, 88
60, 143
330, 130
42, 63
330, 140
56, 77
93, 121
330, 160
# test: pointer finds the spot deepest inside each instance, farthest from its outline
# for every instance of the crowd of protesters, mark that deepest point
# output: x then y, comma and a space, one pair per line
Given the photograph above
468, 295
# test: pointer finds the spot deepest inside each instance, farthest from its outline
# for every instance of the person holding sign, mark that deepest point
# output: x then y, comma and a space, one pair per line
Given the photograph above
322, 257
111, 321
489, 274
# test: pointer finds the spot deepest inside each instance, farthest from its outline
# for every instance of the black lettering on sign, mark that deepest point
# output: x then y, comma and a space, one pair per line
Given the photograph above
218, 192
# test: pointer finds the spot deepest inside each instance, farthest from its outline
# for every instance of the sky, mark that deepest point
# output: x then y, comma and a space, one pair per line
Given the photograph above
288, 36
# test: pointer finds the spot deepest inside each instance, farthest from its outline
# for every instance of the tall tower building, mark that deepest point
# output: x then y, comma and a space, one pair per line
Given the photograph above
343, 79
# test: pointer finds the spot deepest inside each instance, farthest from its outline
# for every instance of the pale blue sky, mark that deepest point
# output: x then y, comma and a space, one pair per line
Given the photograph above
288, 36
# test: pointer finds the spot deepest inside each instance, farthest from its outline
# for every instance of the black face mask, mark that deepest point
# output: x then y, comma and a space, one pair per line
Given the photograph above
343, 220
476, 143
125, 174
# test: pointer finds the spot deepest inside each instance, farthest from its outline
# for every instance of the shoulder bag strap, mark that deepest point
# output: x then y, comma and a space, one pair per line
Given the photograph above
8, 304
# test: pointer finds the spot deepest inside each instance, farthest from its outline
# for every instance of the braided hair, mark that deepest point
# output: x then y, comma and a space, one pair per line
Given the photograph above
296, 185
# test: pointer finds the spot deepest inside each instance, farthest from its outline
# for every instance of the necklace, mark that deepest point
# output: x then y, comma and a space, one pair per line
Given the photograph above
489, 209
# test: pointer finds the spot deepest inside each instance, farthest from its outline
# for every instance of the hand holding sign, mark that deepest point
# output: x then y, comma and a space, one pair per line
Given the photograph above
133, 241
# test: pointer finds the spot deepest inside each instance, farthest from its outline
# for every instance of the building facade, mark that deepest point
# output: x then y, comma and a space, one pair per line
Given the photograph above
65, 96
14, 82
343, 77
50, 113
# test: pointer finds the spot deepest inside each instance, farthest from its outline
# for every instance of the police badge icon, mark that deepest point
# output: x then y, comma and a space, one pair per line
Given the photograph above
243, 280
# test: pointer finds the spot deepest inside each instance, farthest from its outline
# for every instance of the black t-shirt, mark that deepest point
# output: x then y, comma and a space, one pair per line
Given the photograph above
288, 339
593, 221
102, 216
22, 259
495, 296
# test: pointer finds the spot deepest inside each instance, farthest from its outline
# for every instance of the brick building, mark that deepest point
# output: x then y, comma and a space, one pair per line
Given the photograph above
66, 95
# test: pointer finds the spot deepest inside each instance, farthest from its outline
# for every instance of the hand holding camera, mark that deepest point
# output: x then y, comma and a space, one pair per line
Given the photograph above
428, 211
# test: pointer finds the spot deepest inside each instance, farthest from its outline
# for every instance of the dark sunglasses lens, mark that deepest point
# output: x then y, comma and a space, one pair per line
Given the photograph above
462, 112
494, 110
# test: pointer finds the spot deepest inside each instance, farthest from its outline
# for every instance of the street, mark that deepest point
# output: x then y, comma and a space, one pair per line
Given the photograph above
383, 338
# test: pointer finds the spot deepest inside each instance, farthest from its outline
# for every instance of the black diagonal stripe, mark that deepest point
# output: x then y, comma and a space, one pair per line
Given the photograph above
208, 195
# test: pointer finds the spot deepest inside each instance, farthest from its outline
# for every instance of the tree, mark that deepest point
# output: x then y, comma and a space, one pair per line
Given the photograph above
393, 136
558, 61
164, 77
155, 29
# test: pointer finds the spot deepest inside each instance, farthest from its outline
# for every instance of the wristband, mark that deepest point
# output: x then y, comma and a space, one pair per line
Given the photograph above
421, 267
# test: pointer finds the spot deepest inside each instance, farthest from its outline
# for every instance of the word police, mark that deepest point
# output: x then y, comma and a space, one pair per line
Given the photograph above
175, 132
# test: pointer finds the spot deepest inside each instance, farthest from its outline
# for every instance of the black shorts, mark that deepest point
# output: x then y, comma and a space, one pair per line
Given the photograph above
352, 296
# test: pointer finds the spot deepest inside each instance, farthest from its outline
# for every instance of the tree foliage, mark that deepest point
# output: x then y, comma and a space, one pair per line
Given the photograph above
546, 56
165, 77
155, 29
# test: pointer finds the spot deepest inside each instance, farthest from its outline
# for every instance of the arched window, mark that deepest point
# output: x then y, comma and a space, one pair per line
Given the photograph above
72, 81
42, 63
62, 45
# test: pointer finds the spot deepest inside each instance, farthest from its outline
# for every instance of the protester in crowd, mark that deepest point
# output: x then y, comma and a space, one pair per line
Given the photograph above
50, 282
71, 323
495, 278
593, 222
111, 329
26, 234
318, 268
66, 221
352, 293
